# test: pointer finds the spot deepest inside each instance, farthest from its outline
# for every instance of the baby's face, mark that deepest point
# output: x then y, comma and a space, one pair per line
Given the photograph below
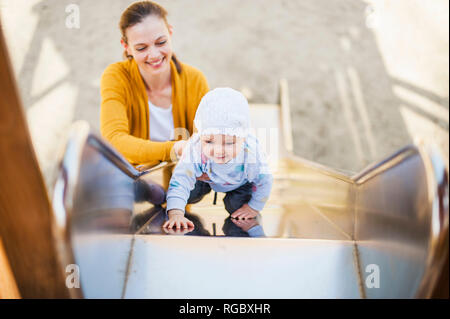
221, 148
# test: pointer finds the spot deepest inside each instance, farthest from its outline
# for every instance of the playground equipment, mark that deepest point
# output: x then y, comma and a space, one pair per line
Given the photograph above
382, 233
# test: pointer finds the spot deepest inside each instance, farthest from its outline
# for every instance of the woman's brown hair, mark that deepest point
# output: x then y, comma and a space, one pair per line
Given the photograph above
137, 12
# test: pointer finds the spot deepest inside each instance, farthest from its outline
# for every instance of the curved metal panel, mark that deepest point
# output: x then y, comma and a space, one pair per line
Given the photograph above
401, 220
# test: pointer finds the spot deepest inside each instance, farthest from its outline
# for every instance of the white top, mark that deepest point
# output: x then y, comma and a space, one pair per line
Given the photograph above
161, 123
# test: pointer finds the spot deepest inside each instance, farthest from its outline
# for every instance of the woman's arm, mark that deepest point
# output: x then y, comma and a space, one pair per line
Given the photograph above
114, 124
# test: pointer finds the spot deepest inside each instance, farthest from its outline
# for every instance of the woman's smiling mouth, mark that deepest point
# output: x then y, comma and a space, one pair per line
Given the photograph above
157, 63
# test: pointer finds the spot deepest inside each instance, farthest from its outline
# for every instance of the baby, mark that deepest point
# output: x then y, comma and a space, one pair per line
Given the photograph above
225, 156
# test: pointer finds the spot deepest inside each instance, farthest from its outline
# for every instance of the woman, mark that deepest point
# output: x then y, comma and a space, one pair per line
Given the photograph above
151, 93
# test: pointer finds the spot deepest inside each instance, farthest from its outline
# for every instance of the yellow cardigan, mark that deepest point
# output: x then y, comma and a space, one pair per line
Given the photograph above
124, 115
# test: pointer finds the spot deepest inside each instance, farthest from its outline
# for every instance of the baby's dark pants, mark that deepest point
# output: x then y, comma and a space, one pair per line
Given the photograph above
233, 200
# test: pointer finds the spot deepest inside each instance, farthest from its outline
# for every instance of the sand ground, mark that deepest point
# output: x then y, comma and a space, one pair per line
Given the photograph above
365, 77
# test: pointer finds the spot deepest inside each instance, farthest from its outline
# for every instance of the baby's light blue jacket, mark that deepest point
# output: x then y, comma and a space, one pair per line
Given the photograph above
249, 166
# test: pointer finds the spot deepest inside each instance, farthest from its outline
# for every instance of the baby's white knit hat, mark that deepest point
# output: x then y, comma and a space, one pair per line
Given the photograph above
223, 111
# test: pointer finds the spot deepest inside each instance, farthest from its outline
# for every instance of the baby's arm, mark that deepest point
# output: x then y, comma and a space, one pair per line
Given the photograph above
262, 181
261, 188
260, 177
180, 186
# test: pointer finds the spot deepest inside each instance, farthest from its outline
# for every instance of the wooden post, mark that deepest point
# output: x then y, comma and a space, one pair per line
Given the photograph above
25, 210
8, 287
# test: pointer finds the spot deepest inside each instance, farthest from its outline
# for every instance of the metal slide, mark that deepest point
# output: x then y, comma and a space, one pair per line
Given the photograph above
382, 233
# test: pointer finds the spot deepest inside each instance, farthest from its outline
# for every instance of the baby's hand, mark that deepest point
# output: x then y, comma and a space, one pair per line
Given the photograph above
245, 225
177, 219
245, 212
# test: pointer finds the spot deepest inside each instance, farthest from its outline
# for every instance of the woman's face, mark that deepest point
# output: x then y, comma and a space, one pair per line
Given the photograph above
149, 42
221, 148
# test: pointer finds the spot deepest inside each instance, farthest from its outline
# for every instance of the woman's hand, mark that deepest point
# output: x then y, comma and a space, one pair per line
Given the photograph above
177, 219
179, 147
245, 212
